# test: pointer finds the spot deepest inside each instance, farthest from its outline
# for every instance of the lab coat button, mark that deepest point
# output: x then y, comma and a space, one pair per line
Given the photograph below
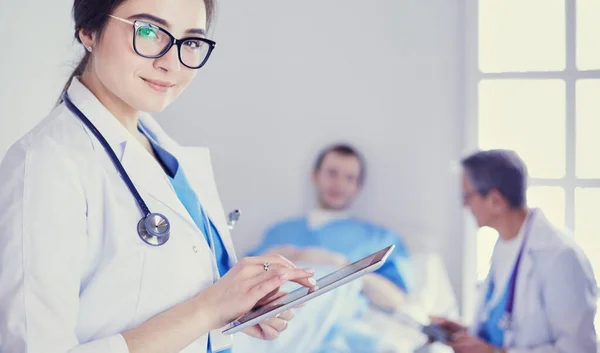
195, 248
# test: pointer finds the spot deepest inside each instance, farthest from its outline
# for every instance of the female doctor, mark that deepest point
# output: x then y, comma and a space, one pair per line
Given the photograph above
540, 294
112, 236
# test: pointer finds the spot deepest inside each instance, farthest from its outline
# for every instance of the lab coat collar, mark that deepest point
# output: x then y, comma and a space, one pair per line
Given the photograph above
541, 238
145, 172
540, 228
197, 165
113, 131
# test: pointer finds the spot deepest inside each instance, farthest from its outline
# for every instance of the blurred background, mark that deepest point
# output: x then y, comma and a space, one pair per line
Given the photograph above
413, 84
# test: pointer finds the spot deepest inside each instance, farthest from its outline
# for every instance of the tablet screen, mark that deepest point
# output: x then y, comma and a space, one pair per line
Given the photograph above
324, 284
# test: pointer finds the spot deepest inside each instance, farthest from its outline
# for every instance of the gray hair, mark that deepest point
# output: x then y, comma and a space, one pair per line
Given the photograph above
501, 170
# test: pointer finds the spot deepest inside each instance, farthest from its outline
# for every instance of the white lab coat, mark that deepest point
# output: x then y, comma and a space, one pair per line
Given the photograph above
555, 295
74, 274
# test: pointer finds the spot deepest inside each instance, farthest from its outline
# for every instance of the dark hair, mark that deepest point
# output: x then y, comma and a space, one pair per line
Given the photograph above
346, 150
501, 170
92, 15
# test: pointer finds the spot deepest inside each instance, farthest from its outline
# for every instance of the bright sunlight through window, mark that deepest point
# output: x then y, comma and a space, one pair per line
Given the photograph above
538, 87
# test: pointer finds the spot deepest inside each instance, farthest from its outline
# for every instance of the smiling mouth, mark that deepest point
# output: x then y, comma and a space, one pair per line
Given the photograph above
159, 86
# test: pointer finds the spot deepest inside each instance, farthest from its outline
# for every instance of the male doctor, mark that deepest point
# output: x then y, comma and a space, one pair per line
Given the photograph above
540, 294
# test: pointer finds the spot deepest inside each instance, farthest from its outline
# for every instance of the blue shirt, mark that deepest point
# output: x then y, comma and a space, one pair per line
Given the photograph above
490, 330
192, 204
352, 238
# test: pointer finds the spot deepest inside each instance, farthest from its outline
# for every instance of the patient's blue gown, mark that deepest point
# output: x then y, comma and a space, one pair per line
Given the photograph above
350, 237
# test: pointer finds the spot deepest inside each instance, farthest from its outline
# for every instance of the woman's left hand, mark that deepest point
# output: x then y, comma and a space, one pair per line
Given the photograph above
270, 329
465, 343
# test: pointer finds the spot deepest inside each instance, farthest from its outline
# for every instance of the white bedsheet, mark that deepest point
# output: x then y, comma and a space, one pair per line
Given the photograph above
341, 321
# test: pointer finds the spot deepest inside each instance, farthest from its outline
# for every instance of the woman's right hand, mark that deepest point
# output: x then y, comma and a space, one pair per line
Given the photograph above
246, 284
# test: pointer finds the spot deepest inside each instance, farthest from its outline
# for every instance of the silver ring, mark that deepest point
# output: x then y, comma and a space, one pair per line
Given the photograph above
266, 266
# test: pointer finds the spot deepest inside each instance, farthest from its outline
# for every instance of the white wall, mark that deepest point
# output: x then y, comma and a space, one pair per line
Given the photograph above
287, 78
38, 54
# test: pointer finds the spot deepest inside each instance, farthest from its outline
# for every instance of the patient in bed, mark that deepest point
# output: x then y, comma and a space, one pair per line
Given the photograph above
328, 238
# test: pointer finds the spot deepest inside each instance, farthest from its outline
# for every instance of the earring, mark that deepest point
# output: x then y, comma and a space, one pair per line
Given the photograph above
89, 49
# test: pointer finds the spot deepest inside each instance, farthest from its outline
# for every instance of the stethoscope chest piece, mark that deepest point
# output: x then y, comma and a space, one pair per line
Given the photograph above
154, 229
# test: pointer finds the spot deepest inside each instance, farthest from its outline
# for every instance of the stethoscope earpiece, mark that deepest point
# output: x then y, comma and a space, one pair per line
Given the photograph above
233, 217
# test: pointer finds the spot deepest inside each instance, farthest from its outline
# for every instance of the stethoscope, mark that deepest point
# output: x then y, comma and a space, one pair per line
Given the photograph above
233, 218
506, 320
153, 228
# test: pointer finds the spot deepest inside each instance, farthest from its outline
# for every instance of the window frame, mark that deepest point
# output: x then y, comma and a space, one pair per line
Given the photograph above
569, 182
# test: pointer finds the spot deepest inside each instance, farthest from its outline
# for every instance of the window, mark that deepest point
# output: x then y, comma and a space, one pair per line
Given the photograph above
533, 81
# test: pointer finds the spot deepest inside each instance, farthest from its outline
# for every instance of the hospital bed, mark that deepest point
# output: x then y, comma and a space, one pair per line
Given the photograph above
341, 321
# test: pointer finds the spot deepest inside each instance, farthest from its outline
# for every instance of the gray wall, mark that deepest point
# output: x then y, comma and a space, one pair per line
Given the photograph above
36, 56
285, 79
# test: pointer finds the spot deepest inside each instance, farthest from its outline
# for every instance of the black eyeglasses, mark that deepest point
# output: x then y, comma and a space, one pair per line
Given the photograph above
151, 41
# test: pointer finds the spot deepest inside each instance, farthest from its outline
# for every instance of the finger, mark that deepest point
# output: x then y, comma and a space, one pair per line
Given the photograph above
271, 297
460, 346
304, 277
271, 259
252, 266
459, 338
437, 320
447, 325
257, 271
460, 342
278, 295
287, 315
282, 275
257, 289
306, 281
268, 332
276, 323
456, 345
442, 322
254, 331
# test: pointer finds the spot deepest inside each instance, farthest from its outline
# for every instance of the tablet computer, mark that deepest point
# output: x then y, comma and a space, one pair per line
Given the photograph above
325, 284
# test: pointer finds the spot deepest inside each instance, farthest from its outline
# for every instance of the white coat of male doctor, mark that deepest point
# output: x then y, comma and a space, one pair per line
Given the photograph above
555, 291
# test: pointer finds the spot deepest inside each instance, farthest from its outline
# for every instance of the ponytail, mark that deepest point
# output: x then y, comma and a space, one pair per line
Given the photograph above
76, 73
